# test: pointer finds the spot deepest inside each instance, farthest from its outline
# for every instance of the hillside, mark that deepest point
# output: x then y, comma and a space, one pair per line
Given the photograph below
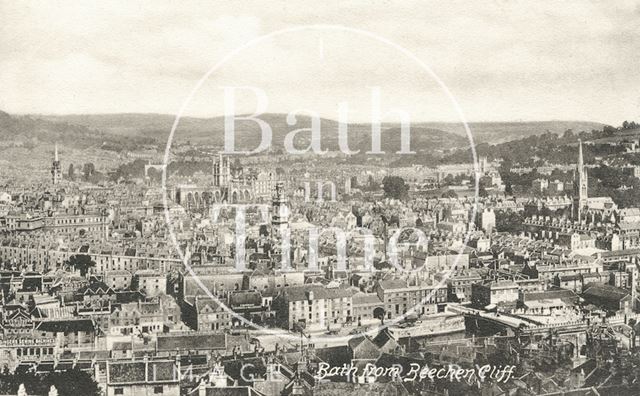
211, 131
28, 129
500, 132
423, 140
619, 136
206, 129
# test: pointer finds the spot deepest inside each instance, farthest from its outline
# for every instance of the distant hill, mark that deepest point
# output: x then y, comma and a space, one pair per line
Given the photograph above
423, 140
206, 129
31, 129
500, 132
211, 131
623, 135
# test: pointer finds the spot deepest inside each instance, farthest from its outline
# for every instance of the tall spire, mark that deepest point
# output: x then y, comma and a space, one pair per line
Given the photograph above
581, 186
580, 159
56, 171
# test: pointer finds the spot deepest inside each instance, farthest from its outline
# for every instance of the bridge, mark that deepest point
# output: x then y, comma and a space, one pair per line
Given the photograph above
500, 319
525, 326
573, 332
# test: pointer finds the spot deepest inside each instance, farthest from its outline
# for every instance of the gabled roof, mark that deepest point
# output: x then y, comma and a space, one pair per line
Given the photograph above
383, 338
96, 288
607, 292
142, 372
300, 293
363, 348
234, 367
228, 391
245, 298
66, 326
18, 314
191, 342
550, 294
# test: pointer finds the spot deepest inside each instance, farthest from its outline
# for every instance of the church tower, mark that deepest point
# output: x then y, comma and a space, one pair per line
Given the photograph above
580, 186
221, 171
280, 208
56, 171
280, 232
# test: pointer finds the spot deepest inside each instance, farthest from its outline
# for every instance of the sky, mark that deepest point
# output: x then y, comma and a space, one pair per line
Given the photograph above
499, 61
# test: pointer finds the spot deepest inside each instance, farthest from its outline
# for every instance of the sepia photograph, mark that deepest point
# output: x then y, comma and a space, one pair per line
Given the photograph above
366, 198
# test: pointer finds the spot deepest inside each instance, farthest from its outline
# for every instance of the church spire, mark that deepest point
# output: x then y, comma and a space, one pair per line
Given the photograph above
581, 186
56, 170
580, 159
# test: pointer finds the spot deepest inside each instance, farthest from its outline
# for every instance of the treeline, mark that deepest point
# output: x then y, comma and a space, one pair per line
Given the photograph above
70, 382
620, 185
604, 181
130, 143
135, 170
537, 150
87, 172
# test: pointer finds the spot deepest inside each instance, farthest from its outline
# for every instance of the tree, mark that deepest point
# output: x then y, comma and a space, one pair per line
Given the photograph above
509, 221
72, 172
508, 189
88, 170
236, 167
371, 184
449, 194
69, 382
354, 181
379, 313
482, 190
395, 187
299, 327
81, 262
568, 135
264, 230
72, 382
155, 175
448, 180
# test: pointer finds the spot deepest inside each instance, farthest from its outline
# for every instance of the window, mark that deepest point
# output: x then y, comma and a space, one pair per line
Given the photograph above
157, 390
118, 391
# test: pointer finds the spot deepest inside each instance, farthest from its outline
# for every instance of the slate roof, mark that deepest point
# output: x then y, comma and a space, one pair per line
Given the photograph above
233, 368
245, 298
66, 326
366, 299
563, 294
300, 293
229, 391
607, 292
141, 372
96, 288
364, 348
390, 284
191, 342
382, 338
